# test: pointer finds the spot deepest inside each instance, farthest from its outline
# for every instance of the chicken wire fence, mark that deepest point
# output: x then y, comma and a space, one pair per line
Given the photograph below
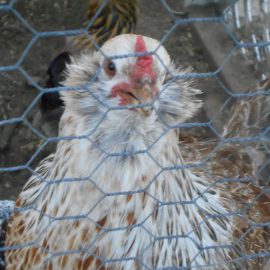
246, 24
250, 21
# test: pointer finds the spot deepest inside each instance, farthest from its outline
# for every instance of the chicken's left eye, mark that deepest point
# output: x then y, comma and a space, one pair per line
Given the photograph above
110, 68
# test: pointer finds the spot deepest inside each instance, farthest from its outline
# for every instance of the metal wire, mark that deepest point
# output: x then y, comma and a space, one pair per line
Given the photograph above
239, 14
251, 24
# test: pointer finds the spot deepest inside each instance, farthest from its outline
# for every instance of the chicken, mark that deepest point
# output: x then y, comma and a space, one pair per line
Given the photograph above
51, 105
110, 19
121, 192
114, 18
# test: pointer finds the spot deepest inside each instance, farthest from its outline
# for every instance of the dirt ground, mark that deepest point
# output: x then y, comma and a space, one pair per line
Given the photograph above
18, 143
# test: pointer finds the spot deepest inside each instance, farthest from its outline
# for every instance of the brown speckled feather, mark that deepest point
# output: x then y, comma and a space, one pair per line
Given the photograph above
236, 168
233, 171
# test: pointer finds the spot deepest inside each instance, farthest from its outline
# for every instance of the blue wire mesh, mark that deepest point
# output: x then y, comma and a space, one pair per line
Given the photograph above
230, 20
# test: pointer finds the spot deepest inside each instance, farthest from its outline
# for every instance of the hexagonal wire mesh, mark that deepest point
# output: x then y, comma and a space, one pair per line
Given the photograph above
246, 24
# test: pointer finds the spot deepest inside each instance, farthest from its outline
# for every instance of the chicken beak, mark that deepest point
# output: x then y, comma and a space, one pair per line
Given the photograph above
144, 96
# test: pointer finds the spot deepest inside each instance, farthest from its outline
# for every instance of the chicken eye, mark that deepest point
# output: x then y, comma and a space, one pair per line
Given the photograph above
110, 68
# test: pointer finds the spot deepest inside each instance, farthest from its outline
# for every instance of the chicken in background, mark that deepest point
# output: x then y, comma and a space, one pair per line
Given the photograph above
51, 105
115, 18
111, 19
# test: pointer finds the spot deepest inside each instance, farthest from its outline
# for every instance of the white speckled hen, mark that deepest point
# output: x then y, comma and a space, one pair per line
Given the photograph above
132, 198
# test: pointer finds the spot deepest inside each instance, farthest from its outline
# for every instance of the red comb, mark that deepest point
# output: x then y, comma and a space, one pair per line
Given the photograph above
143, 64
140, 47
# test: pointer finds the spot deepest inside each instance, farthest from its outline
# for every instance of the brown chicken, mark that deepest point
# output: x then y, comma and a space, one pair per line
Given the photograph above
109, 20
